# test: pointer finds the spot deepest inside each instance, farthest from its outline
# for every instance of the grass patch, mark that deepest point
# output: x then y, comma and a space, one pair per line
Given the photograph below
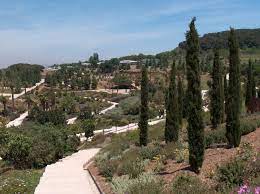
19, 181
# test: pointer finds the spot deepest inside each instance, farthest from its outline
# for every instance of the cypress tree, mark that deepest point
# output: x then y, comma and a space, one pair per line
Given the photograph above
225, 91
143, 121
249, 84
180, 99
233, 133
172, 115
195, 121
216, 108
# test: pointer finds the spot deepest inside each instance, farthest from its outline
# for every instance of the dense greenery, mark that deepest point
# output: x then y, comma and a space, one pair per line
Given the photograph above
172, 111
143, 122
37, 147
248, 38
233, 104
195, 120
217, 92
21, 75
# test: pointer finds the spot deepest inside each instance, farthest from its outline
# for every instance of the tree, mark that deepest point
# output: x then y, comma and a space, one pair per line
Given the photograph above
89, 128
12, 91
143, 121
29, 101
233, 132
216, 108
4, 101
195, 122
249, 84
180, 99
172, 114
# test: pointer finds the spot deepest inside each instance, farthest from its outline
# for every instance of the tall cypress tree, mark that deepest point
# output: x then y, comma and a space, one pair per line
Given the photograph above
195, 121
249, 84
216, 108
143, 122
172, 114
180, 99
233, 132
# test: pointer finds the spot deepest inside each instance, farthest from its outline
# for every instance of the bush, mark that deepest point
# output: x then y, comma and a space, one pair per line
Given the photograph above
231, 174
18, 151
133, 168
150, 151
89, 128
186, 184
107, 166
146, 183
215, 137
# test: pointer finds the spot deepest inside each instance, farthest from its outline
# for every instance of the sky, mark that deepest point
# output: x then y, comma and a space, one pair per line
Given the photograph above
57, 31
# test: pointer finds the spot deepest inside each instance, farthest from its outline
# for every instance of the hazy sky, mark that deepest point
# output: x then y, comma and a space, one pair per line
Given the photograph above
56, 31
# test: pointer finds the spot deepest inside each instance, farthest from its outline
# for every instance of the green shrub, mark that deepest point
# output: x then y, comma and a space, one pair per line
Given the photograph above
108, 168
215, 137
231, 174
150, 151
89, 127
146, 183
18, 150
247, 127
187, 184
133, 168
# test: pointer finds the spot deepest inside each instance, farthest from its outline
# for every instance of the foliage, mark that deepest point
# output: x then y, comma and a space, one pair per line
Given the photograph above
195, 122
186, 184
89, 128
217, 93
143, 122
150, 151
172, 110
55, 117
145, 184
18, 150
133, 168
233, 103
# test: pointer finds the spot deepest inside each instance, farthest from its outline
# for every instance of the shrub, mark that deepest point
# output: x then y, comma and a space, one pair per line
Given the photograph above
146, 183
133, 168
230, 174
186, 184
150, 151
235, 172
108, 168
89, 127
18, 151
215, 137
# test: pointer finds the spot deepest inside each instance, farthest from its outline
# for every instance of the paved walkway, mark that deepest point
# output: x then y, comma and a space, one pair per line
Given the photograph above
68, 176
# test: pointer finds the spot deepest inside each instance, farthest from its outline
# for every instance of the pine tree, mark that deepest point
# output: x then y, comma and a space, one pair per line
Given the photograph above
195, 122
216, 108
172, 114
249, 84
180, 99
143, 122
233, 133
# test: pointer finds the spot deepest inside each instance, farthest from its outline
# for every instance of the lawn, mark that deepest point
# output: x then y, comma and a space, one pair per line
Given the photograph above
19, 181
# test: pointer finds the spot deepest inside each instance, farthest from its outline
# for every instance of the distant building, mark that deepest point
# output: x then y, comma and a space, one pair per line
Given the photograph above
85, 63
128, 62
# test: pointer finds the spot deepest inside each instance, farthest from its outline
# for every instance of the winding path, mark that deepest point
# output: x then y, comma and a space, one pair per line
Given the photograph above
68, 176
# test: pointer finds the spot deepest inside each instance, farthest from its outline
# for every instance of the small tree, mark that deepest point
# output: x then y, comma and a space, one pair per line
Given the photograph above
89, 128
172, 113
143, 121
4, 101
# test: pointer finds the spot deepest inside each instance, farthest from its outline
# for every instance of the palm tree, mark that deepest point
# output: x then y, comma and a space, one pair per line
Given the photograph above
12, 91
4, 100
29, 101
43, 101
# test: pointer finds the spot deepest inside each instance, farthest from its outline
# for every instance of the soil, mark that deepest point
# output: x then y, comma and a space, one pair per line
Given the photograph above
214, 157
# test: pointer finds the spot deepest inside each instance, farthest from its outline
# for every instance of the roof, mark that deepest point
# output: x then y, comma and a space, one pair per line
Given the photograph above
127, 62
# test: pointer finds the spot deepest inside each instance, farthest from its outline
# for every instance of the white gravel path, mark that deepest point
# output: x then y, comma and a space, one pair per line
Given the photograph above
18, 121
68, 176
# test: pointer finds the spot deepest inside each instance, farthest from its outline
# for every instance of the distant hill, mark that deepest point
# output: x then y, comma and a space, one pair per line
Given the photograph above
248, 38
